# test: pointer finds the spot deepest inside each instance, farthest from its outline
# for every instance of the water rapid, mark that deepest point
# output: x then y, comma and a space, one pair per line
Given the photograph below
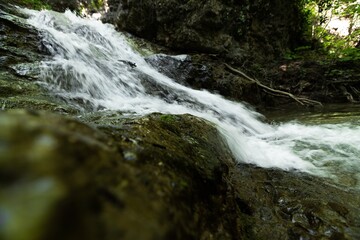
93, 64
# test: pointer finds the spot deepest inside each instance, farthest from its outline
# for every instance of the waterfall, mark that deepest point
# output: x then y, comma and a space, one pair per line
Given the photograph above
94, 64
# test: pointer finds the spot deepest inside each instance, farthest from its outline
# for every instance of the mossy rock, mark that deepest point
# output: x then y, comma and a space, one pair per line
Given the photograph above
37, 179
22, 93
152, 177
75, 182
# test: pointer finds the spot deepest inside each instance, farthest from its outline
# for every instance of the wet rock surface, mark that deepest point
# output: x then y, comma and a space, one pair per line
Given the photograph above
182, 69
290, 205
201, 71
21, 54
155, 177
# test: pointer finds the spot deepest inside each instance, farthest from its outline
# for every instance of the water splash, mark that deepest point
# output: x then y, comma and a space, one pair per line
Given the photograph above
94, 63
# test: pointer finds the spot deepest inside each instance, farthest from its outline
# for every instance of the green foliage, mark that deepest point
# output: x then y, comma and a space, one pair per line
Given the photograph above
304, 52
349, 54
96, 4
317, 16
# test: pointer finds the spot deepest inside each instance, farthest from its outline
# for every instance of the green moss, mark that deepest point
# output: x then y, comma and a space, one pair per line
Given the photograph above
33, 103
139, 47
168, 118
33, 4
144, 47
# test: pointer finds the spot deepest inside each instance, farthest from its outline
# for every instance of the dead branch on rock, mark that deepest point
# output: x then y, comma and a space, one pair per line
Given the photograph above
300, 100
348, 95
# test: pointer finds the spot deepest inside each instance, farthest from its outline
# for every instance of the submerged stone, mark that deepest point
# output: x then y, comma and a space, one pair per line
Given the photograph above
290, 205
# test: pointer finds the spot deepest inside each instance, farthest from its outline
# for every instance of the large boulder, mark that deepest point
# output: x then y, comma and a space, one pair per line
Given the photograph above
154, 177
157, 177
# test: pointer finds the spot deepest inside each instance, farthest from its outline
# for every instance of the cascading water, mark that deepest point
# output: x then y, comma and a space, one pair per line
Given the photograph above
93, 63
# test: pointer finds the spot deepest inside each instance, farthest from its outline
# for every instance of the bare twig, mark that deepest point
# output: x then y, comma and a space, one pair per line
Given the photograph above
300, 100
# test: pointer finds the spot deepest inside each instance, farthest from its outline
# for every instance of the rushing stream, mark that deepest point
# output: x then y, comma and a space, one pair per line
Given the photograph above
92, 65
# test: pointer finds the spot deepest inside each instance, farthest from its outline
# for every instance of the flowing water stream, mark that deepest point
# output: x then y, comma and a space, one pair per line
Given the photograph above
92, 65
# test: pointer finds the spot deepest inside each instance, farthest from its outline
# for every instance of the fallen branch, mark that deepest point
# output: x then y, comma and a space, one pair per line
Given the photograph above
300, 100
348, 95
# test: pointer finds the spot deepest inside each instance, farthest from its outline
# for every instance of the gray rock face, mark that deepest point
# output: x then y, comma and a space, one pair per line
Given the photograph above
211, 26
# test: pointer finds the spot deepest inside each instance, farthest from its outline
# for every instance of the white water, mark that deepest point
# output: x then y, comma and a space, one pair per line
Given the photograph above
88, 65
